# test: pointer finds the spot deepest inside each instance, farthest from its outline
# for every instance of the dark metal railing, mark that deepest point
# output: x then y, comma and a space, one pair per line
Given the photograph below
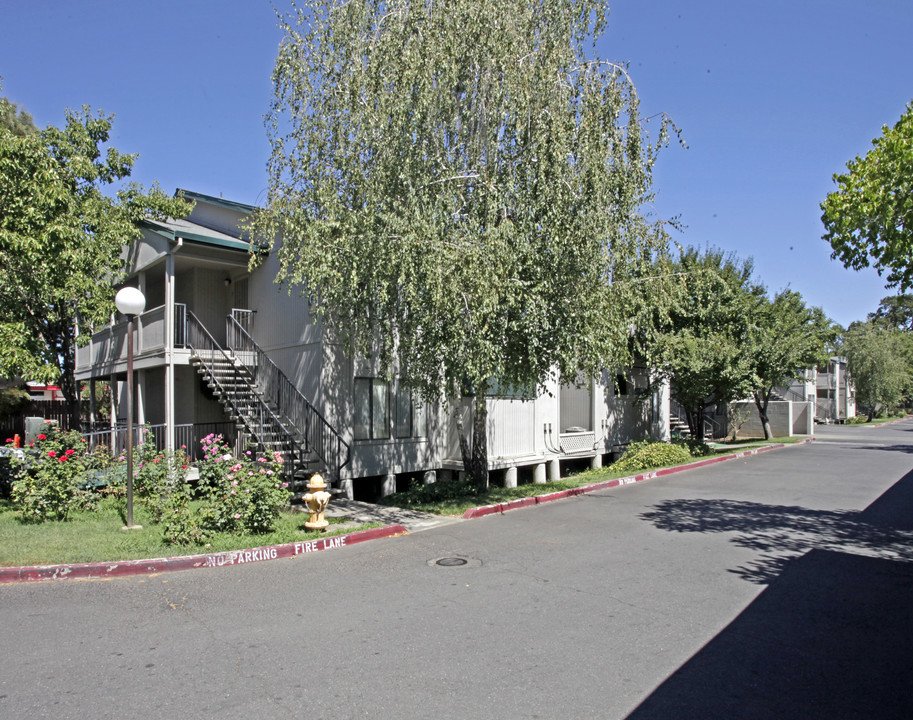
186, 436
788, 393
275, 388
712, 428
236, 387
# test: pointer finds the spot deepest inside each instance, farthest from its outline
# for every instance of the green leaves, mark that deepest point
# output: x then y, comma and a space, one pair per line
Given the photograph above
787, 337
881, 363
459, 185
61, 239
695, 326
868, 220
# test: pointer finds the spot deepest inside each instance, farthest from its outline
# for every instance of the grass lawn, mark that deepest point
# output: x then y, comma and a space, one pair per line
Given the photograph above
97, 537
454, 498
884, 418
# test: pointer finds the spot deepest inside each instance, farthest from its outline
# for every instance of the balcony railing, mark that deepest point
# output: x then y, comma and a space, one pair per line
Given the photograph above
109, 346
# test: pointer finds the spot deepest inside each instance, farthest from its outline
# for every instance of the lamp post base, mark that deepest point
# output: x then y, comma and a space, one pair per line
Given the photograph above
132, 527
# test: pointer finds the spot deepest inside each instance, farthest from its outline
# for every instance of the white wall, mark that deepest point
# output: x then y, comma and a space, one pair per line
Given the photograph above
786, 419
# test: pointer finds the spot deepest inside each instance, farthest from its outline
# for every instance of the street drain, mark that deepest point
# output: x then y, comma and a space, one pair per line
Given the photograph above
455, 561
451, 562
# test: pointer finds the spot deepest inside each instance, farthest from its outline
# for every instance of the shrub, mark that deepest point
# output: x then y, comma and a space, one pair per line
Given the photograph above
421, 494
248, 494
7, 471
156, 472
49, 475
696, 446
235, 495
180, 524
857, 420
645, 455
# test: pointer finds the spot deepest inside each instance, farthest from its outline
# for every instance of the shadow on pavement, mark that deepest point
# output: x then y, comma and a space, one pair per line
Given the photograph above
782, 532
887, 448
830, 638
830, 635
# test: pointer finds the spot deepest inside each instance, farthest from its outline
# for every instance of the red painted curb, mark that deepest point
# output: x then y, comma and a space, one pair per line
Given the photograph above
95, 571
887, 422
630, 480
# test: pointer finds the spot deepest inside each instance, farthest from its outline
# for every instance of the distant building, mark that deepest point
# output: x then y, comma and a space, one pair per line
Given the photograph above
47, 393
836, 396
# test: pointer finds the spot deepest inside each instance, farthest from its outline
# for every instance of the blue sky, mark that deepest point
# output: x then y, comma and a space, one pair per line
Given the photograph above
772, 99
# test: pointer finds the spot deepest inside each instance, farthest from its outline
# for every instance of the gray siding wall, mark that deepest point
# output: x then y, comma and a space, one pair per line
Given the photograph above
216, 217
779, 412
576, 407
211, 300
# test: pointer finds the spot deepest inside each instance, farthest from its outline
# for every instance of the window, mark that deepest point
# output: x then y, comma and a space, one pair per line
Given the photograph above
372, 409
410, 416
497, 389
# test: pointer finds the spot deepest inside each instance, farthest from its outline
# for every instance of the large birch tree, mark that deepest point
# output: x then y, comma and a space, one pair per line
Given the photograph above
459, 189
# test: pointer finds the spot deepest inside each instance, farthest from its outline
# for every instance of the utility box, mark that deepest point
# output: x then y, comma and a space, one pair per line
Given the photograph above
34, 426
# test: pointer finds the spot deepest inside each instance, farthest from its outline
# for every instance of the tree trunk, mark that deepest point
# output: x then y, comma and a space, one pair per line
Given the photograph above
762, 403
69, 388
475, 458
696, 422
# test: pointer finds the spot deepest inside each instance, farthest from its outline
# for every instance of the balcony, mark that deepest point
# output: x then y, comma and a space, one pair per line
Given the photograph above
108, 347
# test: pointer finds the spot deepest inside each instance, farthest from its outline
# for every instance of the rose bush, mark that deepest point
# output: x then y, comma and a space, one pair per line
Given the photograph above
233, 495
242, 494
56, 474
48, 478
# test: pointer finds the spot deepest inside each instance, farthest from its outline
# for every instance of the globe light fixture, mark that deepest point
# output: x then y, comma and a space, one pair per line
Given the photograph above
130, 301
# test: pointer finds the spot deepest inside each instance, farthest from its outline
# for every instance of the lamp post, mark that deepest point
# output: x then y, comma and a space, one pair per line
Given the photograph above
131, 302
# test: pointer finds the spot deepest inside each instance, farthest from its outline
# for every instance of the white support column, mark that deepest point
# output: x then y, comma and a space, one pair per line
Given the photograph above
596, 462
539, 474
115, 402
140, 398
510, 477
169, 352
430, 477
388, 485
554, 470
141, 284
92, 403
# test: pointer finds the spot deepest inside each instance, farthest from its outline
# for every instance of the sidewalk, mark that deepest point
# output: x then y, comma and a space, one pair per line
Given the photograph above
362, 512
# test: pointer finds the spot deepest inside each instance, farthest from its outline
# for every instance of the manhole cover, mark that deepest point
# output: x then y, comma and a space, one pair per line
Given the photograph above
451, 561
455, 561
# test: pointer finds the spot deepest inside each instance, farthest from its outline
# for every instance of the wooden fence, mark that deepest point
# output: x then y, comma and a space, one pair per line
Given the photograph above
56, 410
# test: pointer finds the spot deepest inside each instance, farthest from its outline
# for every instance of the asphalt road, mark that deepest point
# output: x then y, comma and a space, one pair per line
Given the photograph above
775, 586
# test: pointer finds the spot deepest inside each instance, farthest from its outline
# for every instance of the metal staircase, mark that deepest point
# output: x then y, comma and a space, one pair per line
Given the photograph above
265, 404
678, 422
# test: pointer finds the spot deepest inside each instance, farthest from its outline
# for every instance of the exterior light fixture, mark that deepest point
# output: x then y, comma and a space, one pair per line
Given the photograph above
131, 302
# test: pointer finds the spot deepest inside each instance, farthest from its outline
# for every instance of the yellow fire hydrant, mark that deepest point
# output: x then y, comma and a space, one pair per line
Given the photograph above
317, 500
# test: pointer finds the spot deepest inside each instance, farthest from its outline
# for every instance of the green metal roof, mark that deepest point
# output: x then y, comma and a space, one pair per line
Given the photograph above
194, 233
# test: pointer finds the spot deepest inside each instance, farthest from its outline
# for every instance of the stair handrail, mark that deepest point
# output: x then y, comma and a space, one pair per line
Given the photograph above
788, 393
320, 436
711, 426
200, 340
